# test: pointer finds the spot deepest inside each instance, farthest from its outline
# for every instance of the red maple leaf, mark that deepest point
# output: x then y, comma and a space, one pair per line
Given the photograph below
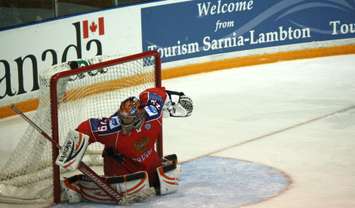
93, 26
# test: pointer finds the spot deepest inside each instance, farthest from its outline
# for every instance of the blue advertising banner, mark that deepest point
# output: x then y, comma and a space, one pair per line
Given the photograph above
199, 28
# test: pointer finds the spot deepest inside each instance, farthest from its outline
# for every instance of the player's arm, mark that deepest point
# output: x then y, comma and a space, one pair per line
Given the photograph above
152, 101
86, 133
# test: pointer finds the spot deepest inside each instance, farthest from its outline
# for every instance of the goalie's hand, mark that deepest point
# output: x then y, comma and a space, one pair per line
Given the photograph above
73, 150
182, 108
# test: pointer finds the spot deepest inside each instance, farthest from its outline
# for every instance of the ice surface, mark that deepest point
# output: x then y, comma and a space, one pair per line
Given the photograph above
247, 114
214, 182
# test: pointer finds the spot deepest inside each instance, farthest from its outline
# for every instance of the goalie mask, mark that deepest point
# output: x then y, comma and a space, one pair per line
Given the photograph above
131, 114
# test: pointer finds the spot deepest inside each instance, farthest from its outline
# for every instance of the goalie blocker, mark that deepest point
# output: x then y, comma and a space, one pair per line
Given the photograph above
73, 150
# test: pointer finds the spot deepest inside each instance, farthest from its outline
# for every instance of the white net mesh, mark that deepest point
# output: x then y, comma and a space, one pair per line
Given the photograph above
27, 176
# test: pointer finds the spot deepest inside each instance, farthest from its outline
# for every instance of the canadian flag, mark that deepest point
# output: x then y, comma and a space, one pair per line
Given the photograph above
93, 27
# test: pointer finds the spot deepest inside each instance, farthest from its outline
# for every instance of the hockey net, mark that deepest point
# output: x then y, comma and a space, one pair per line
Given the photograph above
66, 98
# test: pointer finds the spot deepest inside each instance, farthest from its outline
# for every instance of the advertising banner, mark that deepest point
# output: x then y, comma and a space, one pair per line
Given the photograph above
26, 51
199, 28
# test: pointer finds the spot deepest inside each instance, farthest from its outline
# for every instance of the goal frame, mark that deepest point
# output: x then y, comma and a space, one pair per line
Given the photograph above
54, 105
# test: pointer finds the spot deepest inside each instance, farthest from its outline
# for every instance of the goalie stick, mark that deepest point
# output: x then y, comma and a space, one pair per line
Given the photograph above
82, 166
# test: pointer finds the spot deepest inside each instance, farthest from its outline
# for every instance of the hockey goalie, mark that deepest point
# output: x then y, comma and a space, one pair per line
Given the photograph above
132, 166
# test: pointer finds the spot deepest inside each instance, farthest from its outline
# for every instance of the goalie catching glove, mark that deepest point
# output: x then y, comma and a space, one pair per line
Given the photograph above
73, 150
182, 108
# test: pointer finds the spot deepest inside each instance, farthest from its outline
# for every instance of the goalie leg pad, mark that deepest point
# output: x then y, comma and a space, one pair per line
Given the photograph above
131, 184
133, 187
80, 188
169, 177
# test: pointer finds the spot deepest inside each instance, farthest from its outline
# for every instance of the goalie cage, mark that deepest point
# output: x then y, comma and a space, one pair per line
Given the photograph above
66, 98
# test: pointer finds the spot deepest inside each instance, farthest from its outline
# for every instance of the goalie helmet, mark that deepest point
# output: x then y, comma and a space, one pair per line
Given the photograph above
131, 114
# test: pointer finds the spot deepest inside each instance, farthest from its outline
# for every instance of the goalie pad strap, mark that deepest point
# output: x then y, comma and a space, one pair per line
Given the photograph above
172, 158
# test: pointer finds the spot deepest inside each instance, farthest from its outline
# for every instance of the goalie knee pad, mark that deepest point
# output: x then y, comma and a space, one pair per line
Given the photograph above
169, 176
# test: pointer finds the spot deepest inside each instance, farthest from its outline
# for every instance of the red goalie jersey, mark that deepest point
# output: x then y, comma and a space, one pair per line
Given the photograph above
129, 151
